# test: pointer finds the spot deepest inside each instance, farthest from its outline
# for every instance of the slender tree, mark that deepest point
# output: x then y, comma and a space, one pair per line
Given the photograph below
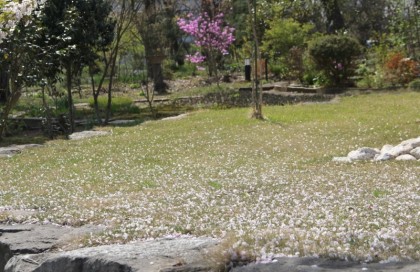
124, 14
78, 29
152, 31
256, 92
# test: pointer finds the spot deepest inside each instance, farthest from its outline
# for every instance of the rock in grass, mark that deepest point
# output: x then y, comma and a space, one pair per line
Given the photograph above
383, 157
341, 159
414, 142
9, 151
410, 147
400, 150
404, 147
405, 157
415, 153
386, 148
364, 153
87, 134
15, 149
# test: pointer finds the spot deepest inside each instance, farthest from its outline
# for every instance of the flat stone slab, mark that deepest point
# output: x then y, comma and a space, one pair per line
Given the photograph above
34, 239
39, 238
12, 150
7, 152
82, 106
166, 255
177, 117
122, 122
39, 248
87, 134
311, 264
157, 100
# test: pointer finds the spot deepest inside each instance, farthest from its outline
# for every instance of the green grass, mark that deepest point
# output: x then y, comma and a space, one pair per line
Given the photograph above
269, 186
119, 104
203, 90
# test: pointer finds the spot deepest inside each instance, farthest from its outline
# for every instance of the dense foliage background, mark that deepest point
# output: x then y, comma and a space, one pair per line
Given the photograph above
55, 47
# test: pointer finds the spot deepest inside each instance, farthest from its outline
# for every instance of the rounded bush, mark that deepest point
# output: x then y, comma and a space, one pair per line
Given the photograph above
334, 55
415, 85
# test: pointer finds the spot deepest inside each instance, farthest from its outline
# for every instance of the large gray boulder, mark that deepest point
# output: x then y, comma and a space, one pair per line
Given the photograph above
34, 239
34, 248
174, 254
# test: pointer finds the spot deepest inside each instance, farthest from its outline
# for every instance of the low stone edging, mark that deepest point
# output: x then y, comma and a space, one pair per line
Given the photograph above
243, 98
408, 150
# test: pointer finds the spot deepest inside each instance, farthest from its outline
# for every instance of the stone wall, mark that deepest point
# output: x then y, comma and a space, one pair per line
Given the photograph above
243, 98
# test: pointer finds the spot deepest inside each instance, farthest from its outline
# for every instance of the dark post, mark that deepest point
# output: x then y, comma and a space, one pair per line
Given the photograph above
266, 66
247, 70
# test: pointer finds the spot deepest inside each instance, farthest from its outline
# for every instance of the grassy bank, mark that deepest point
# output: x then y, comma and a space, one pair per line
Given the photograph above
270, 187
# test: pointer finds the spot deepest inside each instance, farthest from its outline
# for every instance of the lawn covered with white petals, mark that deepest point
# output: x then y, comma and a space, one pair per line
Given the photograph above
269, 187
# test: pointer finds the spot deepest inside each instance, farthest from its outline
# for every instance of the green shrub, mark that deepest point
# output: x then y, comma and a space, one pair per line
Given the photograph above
61, 103
135, 86
365, 74
118, 105
312, 75
334, 55
186, 70
315, 78
415, 85
278, 69
283, 35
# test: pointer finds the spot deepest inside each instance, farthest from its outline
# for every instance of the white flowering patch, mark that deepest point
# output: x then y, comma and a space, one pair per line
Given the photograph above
271, 186
14, 11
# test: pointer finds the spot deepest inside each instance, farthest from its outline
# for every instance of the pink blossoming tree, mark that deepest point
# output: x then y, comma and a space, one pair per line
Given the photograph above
211, 35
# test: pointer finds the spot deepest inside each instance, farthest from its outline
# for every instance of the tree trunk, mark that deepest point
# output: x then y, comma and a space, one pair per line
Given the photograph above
12, 99
70, 96
113, 62
256, 92
211, 63
335, 19
95, 93
4, 84
157, 73
109, 91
